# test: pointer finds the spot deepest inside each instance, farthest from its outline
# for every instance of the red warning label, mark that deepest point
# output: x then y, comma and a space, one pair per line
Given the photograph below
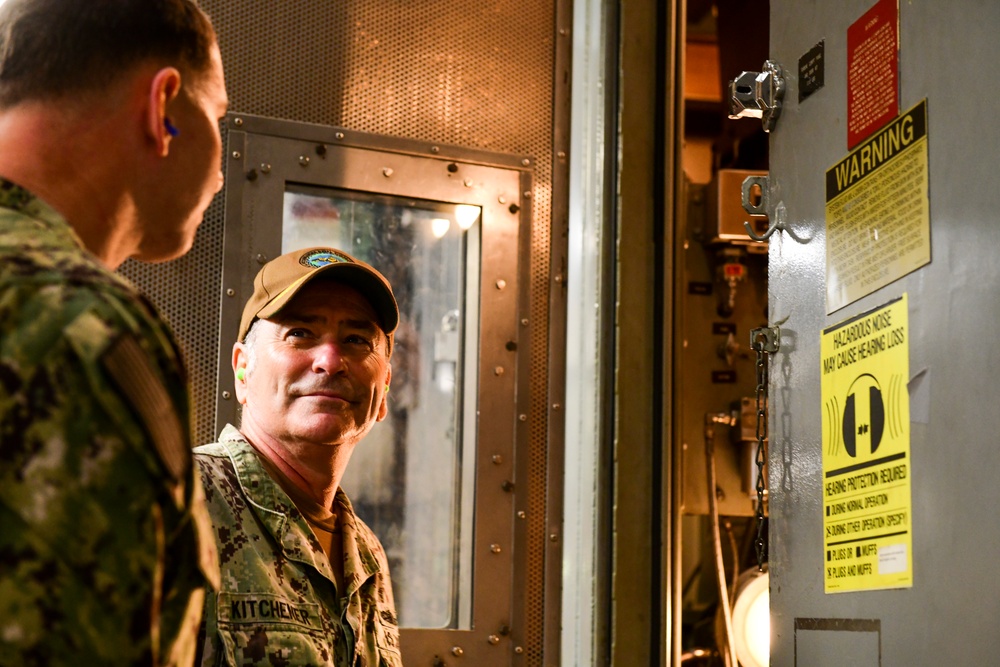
872, 71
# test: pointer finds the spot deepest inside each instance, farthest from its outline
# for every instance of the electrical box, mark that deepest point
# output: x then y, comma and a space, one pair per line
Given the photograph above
726, 215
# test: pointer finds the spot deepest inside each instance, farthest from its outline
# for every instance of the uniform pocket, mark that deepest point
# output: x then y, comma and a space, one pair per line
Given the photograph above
389, 658
387, 639
265, 644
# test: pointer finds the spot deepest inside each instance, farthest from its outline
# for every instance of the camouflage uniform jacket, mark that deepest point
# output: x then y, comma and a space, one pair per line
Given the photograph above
278, 604
105, 546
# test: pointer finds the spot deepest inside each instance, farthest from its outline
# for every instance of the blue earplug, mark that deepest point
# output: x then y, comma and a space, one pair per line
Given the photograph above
171, 130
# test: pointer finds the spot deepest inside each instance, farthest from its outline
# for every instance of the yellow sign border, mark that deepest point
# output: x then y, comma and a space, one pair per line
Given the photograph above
867, 507
878, 211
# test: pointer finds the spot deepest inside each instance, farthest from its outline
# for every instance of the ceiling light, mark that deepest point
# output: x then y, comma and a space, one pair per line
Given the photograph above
440, 226
466, 215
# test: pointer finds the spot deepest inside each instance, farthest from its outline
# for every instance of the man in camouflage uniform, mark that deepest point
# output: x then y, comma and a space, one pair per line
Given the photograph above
304, 580
109, 149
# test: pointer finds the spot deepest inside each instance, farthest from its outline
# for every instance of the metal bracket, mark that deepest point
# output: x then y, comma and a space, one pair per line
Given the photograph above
765, 339
758, 208
758, 95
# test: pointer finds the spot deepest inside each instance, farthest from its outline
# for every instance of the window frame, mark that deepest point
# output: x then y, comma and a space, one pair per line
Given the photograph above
263, 156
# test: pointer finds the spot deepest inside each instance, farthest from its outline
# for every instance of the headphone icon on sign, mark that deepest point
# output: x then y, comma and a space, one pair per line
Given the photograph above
864, 414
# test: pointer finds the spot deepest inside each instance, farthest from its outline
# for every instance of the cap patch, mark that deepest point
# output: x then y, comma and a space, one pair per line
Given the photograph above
320, 258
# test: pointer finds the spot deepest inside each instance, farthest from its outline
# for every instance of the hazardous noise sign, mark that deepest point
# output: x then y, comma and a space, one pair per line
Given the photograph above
867, 517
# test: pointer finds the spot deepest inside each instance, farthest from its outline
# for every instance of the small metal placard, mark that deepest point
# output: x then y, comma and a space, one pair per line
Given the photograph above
811, 67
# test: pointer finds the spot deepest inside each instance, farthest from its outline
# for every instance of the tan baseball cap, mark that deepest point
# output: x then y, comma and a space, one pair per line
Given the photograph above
283, 277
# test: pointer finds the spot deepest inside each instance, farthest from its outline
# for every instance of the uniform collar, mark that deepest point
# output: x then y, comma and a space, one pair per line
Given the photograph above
286, 524
17, 198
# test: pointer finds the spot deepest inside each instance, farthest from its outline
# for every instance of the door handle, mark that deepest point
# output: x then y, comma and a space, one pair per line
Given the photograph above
758, 94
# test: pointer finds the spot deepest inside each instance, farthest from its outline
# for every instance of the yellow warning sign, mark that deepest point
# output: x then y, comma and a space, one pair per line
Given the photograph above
867, 518
877, 211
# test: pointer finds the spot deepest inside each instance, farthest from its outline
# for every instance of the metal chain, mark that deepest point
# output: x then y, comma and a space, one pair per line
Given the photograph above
763, 341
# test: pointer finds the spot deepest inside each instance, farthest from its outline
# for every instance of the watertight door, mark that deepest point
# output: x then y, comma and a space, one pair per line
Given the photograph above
885, 285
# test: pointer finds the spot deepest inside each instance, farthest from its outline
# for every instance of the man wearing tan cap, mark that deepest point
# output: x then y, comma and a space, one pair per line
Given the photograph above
304, 580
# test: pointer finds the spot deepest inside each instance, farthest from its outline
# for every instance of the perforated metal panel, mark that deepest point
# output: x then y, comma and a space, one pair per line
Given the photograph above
460, 72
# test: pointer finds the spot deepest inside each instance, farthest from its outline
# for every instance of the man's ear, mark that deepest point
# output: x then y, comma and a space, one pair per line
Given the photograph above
163, 89
239, 372
383, 408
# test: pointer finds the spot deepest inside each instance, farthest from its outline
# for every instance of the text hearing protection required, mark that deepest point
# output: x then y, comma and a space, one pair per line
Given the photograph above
865, 368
